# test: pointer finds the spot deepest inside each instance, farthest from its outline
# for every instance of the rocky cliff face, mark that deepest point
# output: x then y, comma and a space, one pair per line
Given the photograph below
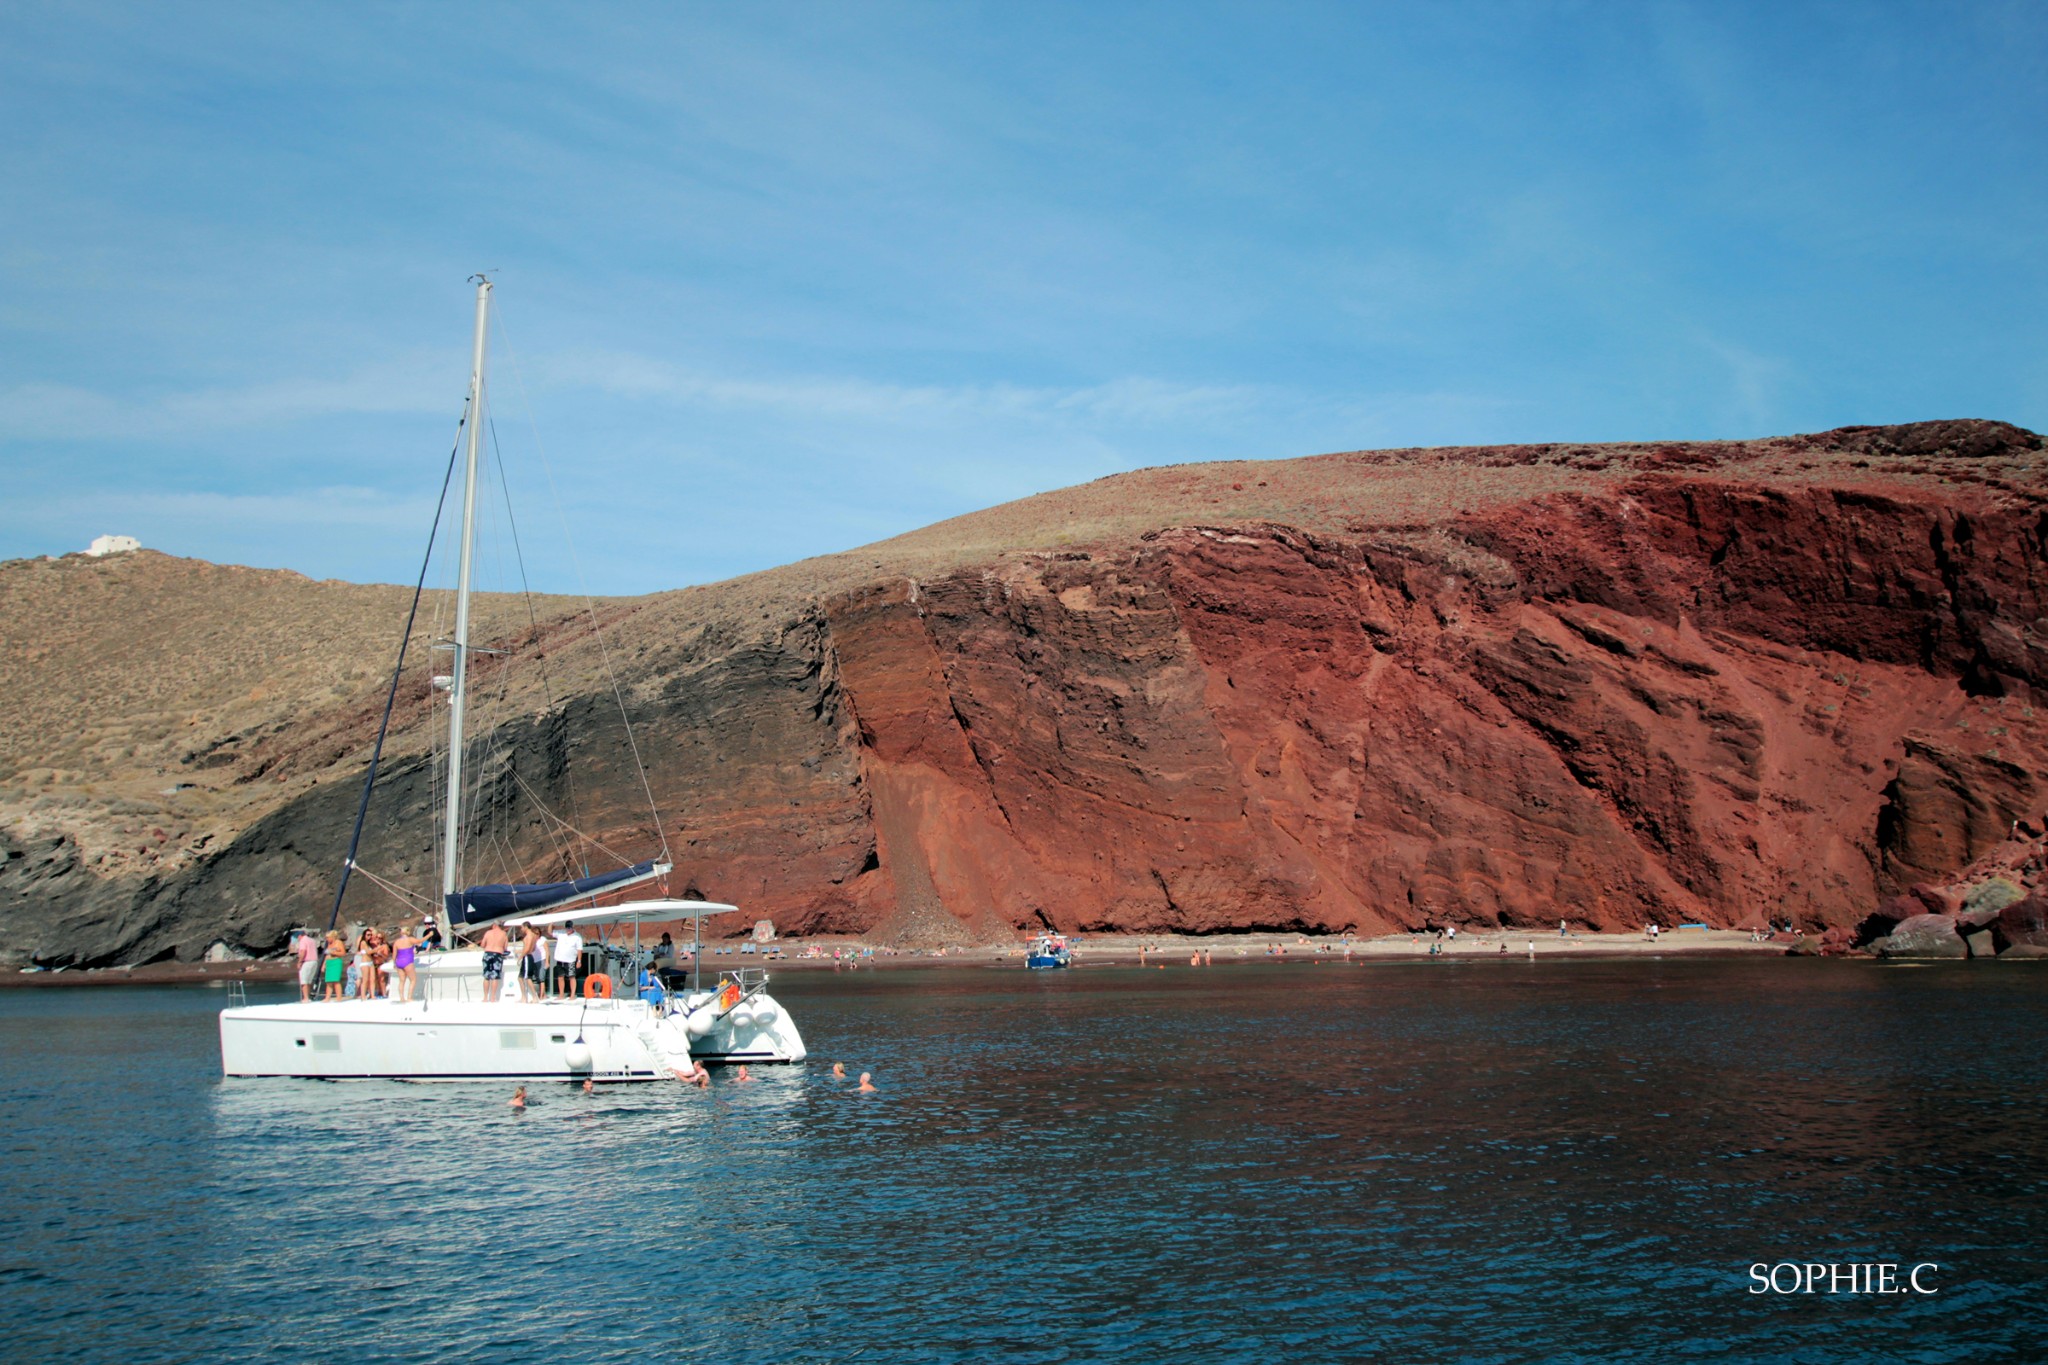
1715, 682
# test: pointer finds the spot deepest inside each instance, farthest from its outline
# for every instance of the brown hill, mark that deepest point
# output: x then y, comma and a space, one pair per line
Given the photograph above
1696, 681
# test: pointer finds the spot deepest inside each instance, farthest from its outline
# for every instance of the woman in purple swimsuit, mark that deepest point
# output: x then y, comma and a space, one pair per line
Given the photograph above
404, 951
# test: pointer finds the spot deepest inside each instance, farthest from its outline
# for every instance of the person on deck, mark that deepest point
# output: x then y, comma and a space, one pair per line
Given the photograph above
405, 950
532, 964
665, 949
651, 989
336, 963
306, 949
568, 957
379, 962
496, 943
544, 949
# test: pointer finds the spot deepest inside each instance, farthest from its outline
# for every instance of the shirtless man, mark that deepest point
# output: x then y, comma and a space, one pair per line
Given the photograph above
865, 1087
693, 1073
495, 944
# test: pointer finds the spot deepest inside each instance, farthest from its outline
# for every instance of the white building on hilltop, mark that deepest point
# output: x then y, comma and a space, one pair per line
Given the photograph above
112, 545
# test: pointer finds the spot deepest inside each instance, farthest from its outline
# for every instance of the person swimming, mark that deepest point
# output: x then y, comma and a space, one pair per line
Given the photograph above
839, 1071
589, 1086
519, 1099
741, 1074
866, 1088
694, 1074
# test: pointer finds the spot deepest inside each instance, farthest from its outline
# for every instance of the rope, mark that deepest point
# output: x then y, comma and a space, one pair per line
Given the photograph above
355, 837
547, 688
407, 898
592, 840
589, 606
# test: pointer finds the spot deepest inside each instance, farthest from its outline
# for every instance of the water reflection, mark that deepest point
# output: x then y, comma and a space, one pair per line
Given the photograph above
1486, 1161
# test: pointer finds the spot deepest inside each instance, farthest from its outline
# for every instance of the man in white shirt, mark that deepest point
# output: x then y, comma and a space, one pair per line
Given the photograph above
568, 957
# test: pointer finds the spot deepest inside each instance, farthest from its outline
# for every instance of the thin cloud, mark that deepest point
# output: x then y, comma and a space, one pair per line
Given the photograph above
64, 412
1134, 400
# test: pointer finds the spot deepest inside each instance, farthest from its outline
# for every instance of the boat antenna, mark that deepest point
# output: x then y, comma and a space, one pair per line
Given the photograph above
451, 848
355, 838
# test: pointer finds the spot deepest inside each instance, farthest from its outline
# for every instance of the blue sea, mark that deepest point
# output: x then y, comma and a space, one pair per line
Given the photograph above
1414, 1161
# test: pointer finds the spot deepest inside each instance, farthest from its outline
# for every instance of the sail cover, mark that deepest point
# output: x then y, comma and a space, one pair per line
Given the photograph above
481, 903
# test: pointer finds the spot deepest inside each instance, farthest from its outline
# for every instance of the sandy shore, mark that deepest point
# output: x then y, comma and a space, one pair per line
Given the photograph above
1167, 950
1163, 950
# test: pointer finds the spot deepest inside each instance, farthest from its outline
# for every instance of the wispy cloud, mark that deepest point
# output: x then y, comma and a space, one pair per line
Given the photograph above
1134, 400
66, 412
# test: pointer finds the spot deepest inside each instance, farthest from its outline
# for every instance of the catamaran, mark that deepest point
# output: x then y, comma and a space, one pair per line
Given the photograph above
460, 1025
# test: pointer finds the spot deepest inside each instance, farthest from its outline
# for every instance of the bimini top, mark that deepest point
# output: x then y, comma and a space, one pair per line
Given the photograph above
632, 912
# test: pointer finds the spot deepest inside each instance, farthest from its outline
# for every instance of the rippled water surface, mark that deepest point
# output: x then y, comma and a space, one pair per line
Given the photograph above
1480, 1161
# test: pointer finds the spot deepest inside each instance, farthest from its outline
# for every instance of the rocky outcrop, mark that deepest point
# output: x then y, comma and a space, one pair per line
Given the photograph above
1923, 936
1726, 683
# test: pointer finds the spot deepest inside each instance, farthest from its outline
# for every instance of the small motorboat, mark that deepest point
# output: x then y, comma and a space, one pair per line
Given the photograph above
1048, 950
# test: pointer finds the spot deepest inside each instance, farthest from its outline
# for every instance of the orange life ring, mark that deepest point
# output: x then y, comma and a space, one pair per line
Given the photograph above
597, 985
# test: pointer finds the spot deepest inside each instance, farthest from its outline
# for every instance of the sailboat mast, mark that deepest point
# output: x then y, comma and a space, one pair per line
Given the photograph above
451, 842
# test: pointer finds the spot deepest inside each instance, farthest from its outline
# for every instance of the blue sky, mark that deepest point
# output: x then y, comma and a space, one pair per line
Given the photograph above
781, 279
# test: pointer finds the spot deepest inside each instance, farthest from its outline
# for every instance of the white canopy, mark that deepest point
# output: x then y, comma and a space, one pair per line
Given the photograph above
629, 912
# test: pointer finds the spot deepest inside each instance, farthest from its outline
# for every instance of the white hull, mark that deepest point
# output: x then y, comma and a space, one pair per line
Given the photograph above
602, 1040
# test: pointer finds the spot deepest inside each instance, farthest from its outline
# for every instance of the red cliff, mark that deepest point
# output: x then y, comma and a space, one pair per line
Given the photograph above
1717, 682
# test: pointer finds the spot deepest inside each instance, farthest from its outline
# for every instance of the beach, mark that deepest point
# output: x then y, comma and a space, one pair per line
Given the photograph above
1161, 950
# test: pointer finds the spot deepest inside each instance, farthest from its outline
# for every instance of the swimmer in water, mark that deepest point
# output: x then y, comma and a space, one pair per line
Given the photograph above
519, 1100
588, 1085
741, 1074
839, 1071
865, 1087
694, 1074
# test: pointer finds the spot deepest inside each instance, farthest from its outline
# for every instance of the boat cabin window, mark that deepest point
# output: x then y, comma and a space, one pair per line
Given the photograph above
520, 1037
327, 1042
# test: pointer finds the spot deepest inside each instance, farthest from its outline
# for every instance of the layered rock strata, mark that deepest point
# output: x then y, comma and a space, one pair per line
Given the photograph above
1719, 682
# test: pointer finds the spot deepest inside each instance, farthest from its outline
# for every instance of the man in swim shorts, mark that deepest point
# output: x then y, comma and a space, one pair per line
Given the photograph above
495, 945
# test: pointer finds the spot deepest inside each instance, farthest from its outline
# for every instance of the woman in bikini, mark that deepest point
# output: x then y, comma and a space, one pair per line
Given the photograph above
380, 956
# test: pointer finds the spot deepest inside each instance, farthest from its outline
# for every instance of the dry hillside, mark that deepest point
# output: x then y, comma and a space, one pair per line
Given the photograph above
1379, 689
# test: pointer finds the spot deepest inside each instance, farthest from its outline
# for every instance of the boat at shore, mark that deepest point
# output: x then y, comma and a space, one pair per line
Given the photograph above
1048, 951
464, 1024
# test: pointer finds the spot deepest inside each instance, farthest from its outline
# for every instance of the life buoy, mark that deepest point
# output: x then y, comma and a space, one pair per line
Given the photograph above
597, 986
